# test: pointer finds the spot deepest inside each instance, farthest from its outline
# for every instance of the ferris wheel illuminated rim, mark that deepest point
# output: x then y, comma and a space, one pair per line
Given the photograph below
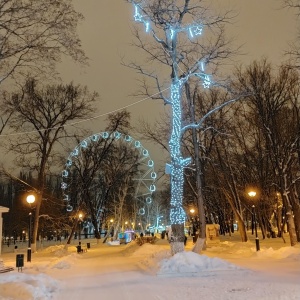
146, 174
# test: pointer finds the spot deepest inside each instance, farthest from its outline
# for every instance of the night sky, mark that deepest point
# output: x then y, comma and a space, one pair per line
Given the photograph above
261, 27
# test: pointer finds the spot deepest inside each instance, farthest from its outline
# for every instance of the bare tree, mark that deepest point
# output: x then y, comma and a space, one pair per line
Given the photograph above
35, 35
274, 100
40, 117
294, 47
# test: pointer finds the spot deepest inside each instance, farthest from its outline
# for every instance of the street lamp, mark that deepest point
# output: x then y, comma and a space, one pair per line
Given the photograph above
30, 199
252, 194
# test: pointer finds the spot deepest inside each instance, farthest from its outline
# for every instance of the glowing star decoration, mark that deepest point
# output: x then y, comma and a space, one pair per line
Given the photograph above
195, 30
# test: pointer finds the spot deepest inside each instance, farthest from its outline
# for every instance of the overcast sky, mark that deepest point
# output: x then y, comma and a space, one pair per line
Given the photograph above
261, 26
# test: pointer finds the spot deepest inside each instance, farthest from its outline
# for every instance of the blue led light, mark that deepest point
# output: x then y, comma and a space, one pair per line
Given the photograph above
95, 137
206, 82
63, 185
137, 16
65, 173
177, 215
75, 152
172, 33
202, 66
117, 135
128, 138
150, 163
69, 208
153, 175
195, 30
84, 144
147, 26
146, 177
152, 188
105, 135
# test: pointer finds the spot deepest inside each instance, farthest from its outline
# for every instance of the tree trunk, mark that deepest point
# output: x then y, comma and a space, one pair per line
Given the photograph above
261, 225
72, 233
291, 227
296, 211
178, 163
94, 219
200, 198
199, 245
242, 228
177, 238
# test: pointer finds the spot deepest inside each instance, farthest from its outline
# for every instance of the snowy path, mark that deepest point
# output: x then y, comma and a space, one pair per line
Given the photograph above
112, 274
130, 272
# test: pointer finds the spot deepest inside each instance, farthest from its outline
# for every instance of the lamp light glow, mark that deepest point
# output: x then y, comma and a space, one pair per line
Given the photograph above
252, 193
30, 199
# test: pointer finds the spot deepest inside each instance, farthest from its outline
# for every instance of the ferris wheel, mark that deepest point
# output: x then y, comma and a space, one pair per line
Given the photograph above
145, 176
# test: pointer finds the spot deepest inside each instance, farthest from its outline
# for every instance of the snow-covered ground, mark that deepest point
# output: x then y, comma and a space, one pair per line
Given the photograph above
228, 270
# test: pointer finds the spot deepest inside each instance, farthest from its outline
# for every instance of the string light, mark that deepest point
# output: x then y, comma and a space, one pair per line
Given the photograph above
147, 176
137, 16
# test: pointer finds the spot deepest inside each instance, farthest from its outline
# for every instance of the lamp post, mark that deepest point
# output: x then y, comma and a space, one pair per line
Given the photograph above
79, 229
30, 199
252, 194
193, 233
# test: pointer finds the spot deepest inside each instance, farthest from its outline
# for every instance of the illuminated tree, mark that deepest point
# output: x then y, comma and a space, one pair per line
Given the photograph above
176, 27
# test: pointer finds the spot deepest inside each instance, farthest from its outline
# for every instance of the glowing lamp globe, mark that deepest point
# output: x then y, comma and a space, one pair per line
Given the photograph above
30, 199
252, 194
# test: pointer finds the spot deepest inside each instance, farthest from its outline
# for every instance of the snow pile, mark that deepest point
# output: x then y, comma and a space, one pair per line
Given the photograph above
57, 250
25, 286
64, 263
292, 253
246, 249
185, 263
149, 257
193, 263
